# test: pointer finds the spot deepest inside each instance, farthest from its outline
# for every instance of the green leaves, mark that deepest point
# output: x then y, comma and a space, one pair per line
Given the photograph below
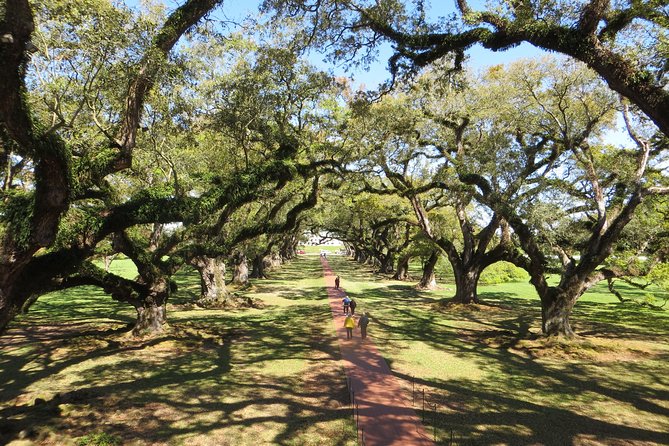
17, 217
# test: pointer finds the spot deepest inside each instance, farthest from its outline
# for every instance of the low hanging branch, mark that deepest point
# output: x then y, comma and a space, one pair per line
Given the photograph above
525, 23
53, 190
611, 286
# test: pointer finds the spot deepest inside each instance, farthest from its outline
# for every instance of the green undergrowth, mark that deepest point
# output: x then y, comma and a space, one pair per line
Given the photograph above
71, 374
489, 376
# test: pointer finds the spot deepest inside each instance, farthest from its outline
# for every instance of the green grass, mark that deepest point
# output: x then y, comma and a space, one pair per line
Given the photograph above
311, 249
242, 377
70, 373
496, 381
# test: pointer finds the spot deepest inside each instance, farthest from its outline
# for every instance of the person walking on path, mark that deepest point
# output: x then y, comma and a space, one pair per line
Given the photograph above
337, 283
349, 324
363, 323
347, 304
385, 412
353, 304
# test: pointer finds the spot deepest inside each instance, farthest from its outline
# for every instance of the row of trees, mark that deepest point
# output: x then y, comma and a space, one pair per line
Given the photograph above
114, 141
511, 166
167, 138
541, 164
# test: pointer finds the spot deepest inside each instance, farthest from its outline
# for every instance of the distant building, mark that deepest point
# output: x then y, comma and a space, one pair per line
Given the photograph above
322, 239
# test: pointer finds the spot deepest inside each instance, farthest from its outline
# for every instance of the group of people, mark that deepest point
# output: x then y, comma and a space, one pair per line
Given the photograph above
349, 311
349, 324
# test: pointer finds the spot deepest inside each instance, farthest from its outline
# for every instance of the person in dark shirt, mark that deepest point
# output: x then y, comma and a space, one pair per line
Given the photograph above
363, 323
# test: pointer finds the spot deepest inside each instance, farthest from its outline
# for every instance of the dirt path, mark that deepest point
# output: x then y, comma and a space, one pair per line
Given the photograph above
385, 415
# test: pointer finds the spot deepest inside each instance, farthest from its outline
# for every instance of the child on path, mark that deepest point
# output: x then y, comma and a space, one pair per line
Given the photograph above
352, 304
349, 324
363, 323
347, 303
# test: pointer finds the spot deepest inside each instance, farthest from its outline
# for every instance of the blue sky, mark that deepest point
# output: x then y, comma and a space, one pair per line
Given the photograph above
479, 57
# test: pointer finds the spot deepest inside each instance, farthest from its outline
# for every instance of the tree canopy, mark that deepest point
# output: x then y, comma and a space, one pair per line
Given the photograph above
175, 141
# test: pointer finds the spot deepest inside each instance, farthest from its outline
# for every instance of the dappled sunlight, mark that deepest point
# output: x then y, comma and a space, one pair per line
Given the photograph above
271, 375
496, 380
240, 377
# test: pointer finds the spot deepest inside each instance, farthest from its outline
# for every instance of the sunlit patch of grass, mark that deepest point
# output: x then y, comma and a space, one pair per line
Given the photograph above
428, 362
496, 380
238, 377
271, 375
281, 367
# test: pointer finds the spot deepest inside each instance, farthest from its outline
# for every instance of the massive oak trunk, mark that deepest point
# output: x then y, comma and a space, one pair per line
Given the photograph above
151, 319
212, 280
288, 248
466, 282
387, 263
258, 268
555, 316
402, 272
240, 275
557, 304
360, 256
429, 280
274, 261
152, 312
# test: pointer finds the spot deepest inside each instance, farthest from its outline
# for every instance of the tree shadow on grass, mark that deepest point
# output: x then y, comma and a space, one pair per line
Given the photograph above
280, 290
183, 386
516, 402
464, 406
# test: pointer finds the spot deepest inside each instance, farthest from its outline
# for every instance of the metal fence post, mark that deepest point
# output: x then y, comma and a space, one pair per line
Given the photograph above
423, 405
434, 422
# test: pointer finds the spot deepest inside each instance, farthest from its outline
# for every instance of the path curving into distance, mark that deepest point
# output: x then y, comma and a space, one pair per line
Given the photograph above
385, 414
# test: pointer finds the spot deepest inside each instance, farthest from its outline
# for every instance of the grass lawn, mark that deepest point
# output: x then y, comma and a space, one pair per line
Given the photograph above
69, 374
496, 382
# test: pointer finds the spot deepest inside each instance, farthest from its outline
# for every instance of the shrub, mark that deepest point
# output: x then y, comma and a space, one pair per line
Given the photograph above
503, 272
99, 439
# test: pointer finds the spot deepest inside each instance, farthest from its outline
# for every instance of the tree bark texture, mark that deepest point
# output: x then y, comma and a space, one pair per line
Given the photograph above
555, 311
258, 267
274, 261
151, 319
212, 280
240, 275
387, 264
466, 282
402, 272
429, 280
360, 256
152, 312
